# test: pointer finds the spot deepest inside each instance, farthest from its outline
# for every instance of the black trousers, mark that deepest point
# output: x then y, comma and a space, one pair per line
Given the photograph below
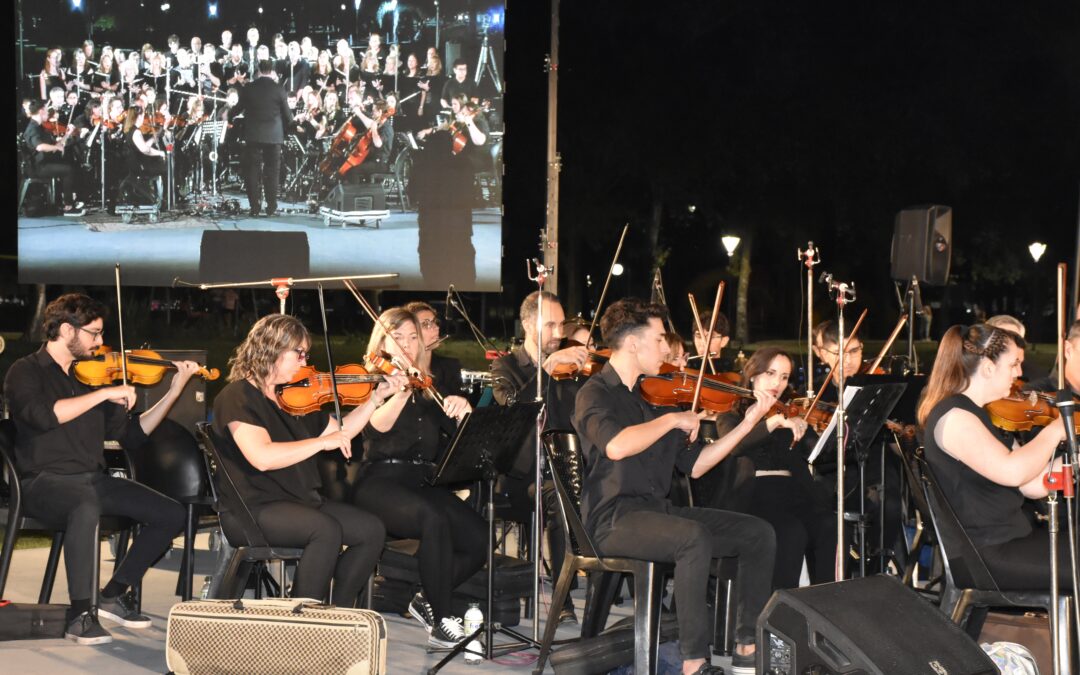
1024, 564
321, 531
801, 530
691, 538
263, 162
65, 172
453, 537
76, 502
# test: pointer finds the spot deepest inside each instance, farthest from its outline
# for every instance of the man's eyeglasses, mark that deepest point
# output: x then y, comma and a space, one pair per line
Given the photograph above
849, 351
94, 334
428, 324
301, 353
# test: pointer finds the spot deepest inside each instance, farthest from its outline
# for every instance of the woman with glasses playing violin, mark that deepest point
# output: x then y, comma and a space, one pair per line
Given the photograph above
401, 445
269, 453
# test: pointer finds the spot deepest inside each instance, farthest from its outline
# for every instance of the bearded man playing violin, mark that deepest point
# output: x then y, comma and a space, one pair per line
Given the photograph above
630, 449
61, 425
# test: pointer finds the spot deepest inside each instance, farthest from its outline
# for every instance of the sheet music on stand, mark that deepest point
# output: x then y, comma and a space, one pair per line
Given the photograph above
493, 433
867, 407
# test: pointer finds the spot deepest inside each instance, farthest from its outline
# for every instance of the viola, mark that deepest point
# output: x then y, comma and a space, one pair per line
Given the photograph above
311, 389
143, 367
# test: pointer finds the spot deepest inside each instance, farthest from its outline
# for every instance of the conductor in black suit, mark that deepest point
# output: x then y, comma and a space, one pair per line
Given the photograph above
266, 115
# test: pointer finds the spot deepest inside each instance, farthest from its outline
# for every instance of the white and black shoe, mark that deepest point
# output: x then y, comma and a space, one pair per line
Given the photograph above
421, 610
447, 633
86, 630
122, 610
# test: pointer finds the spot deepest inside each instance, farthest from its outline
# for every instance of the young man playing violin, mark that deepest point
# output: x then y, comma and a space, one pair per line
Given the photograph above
630, 449
61, 425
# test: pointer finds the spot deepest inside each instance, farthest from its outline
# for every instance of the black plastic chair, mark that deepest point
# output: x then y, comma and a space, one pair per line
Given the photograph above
29, 177
245, 547
11, 510
924, 533
969, 588
564, 457
174, 466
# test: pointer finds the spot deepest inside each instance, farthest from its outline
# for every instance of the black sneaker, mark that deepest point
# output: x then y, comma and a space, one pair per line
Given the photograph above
121, 610
568, 615
86, 630
422, 612
447, 633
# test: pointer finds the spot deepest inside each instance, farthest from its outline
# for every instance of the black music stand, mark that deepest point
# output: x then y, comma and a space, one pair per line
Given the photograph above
867, 406
485, 445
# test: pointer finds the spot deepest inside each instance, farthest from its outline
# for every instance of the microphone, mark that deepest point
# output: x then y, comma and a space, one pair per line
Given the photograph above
1067, 406
449, 302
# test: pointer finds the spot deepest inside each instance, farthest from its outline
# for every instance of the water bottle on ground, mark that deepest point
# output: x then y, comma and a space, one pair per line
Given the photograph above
472, 622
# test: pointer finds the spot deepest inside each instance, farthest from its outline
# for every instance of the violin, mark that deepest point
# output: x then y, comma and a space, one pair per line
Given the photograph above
571, 371
390, 365
1023, 410
674, 387
55, 128
311, 389
143, 367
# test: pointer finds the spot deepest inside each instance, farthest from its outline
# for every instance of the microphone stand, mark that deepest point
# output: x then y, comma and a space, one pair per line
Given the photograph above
810, 257
538, 476
845, 293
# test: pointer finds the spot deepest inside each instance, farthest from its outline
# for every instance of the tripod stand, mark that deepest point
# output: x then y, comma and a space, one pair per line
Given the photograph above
487, 61
485, 445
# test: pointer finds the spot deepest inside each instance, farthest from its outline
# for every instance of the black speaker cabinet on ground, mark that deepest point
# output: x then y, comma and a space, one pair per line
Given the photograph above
350, 197
191, 406
922, 244
870, 626
233, 255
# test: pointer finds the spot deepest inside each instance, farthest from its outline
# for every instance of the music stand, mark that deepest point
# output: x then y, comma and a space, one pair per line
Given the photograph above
867, 406
485, 445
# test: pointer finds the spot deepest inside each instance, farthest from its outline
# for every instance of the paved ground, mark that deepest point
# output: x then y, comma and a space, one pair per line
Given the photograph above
143, 651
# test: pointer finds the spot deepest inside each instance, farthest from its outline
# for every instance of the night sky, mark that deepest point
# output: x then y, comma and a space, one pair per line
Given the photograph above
783, 122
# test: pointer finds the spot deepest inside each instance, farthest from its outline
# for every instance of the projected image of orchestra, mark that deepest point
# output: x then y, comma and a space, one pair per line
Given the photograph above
374, 130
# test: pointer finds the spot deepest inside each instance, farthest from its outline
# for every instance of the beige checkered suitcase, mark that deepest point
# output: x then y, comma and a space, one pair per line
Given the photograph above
273, 637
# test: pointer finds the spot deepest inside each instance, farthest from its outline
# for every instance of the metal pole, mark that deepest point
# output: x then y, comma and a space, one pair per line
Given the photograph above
554, 161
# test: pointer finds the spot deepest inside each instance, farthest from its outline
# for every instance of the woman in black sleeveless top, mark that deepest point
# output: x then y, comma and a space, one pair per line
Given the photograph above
985, 478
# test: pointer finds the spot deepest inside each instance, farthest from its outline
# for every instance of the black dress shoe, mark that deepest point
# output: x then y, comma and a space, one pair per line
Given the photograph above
270, 213
254, 213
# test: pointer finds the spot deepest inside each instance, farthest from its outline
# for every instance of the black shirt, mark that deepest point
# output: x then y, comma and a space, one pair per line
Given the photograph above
611, 488
453, 89
989, 512
33, 385
415, 435
34, 136
243, 402
446, 372
514, 379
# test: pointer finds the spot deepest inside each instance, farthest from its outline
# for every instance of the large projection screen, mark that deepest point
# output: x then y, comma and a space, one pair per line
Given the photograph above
427, 207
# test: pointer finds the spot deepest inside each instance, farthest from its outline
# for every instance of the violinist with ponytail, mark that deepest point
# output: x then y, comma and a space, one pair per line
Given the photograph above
985, 477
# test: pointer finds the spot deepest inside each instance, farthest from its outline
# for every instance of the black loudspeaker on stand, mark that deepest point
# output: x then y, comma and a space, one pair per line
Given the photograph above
869, 626
922, 245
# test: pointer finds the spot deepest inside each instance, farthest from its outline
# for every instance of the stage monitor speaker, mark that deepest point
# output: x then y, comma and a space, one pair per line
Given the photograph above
231, 255
922, 244
869, 626
356, 197
191, 406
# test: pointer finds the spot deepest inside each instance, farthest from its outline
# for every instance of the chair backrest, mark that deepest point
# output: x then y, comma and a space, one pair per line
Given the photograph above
174, 465
237, 521
10, 492
964, 567
567, 473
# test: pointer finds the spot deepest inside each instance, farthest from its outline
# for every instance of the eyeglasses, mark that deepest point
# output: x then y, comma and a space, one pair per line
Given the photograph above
94, 334
301, 353
428, 324
849, 351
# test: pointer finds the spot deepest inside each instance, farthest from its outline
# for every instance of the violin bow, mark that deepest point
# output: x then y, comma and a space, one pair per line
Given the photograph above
330, 364
1061, 326
888, 343
853, 333
120, 323
607, 282
708, 341
659, 297
707, 357
370, 311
